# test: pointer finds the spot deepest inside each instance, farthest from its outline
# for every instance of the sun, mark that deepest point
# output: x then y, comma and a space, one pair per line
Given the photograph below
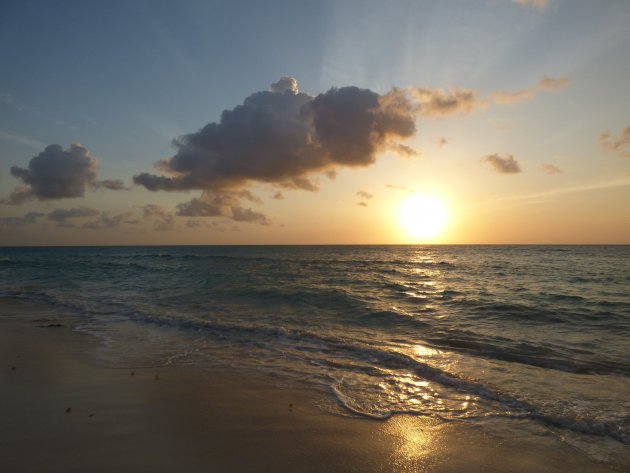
423, 216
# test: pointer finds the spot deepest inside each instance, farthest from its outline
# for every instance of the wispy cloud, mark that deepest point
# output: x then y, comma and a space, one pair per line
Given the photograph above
61, 216
619, 145
15, 103
107, 221
30, 217
162, 218
22, 140
550, 169
540, 4
404, 150
226, 205
538, 197
205, 224
434, 103
622, 182
365, 196
111, 184
546, 84
503, 164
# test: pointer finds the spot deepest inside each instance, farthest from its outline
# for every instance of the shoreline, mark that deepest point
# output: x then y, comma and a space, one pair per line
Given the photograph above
63, 412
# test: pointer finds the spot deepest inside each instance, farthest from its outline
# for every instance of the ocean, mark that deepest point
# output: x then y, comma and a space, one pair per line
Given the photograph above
515, 339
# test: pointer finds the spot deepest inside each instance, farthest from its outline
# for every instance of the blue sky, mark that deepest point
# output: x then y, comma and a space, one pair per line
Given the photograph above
125, 78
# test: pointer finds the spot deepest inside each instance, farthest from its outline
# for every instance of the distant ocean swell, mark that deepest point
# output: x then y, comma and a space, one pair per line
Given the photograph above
459, 333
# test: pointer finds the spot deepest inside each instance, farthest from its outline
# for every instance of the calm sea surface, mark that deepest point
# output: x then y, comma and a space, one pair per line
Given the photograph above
516, 337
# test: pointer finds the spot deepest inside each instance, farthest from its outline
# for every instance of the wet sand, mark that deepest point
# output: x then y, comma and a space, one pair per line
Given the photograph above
61, 411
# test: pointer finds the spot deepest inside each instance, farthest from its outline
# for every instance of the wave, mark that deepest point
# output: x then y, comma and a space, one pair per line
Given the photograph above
575, 424
517, 408
465, 342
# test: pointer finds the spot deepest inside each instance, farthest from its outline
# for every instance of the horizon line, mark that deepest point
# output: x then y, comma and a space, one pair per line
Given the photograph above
310, 244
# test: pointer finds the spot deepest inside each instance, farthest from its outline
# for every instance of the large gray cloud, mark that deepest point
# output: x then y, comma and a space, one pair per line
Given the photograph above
284, 137
280, 137
503, 164
58, 173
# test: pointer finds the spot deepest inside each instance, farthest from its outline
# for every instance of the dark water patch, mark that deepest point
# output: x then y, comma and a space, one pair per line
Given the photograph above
503, 349
513, 311
584, 425
563, 297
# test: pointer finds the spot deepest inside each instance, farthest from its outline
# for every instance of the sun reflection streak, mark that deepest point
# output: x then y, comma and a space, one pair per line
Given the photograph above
416, 443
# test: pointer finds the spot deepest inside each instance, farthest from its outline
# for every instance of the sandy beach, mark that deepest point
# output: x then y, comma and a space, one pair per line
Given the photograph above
63, 412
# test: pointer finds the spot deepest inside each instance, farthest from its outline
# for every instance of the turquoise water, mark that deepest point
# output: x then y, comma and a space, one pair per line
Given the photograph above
517, 337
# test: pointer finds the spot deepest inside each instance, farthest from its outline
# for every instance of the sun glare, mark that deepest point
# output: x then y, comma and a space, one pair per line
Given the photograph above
423, 216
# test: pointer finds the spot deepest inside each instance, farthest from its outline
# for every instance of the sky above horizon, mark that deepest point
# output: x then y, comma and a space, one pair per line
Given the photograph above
198, 122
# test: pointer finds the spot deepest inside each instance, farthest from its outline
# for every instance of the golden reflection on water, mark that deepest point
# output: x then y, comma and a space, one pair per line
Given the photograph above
417, 443
421, 350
